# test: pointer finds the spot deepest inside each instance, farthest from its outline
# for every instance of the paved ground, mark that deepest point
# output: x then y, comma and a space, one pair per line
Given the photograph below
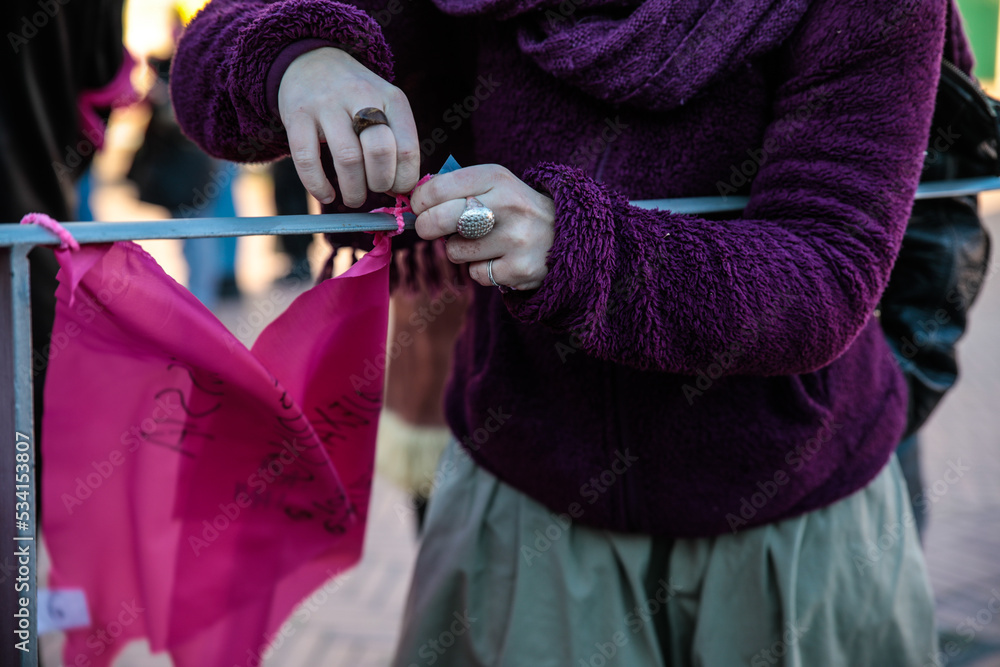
357, 622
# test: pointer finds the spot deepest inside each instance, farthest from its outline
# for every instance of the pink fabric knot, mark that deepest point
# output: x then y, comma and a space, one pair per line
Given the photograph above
66, 239
402, 206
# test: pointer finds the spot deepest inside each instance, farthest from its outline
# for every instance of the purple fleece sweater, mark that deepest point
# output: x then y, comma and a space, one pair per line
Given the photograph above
674, 374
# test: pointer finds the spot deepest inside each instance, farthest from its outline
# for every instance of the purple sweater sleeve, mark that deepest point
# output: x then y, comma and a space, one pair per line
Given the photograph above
219, 81
786, 288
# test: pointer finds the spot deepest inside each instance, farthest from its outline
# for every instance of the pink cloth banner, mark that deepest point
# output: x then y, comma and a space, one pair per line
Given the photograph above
194, 489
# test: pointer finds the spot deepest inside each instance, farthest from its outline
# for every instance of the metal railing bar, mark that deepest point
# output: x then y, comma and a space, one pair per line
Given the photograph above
185, 228
694, 205
931, 190
957, 188
342, 223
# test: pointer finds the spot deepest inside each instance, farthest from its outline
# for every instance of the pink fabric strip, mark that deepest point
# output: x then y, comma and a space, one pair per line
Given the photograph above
66, 239
402, 206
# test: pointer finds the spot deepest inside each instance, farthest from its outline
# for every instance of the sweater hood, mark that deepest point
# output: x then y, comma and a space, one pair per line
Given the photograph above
655, 54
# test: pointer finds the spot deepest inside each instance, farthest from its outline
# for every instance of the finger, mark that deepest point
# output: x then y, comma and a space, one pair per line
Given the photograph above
407, 144
466, 251
303, 143
480, 273
503, 275
459, 184
348, 158
379, 148
440, 220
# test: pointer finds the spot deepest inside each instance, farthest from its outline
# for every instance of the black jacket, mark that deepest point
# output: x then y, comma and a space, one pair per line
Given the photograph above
53, 49
946, 250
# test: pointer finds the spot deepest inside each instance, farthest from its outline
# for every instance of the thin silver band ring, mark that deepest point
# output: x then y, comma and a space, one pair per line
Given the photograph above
489, 271
504, 289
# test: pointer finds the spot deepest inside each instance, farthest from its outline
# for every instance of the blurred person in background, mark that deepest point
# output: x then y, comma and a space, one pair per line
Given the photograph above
170, 171
291, 198
63, 67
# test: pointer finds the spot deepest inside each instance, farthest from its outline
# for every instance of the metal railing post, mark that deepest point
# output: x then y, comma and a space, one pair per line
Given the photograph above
18, 543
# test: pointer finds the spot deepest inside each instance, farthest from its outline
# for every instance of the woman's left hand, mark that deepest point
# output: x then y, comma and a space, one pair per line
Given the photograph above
522, 235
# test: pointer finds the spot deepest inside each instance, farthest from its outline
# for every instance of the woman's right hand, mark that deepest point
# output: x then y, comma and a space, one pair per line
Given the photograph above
319, 94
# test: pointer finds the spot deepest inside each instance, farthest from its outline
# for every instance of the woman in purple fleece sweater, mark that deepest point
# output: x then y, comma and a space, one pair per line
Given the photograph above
674, 437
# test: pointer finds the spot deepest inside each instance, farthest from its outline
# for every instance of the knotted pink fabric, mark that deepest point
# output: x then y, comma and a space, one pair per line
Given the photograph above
402, 206
66, 239
195, 489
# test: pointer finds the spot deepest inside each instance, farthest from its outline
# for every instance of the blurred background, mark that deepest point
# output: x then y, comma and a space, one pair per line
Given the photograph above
148, 171
981, 20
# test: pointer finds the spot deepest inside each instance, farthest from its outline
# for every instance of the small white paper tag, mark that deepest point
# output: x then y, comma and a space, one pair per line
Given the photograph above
62, 609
